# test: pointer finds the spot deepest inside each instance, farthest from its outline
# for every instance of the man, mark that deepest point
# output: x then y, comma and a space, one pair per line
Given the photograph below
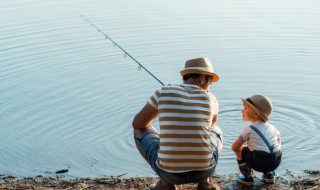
189, 143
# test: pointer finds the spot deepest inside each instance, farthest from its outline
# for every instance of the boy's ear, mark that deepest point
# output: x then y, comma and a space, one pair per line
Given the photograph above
256, 115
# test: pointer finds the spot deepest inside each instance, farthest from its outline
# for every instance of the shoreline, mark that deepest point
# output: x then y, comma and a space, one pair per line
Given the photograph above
311, 180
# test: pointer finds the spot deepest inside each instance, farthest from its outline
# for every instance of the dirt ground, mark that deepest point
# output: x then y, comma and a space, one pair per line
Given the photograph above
311, 180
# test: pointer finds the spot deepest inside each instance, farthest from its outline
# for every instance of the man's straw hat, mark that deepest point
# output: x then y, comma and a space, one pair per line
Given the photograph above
260, 104
201, 65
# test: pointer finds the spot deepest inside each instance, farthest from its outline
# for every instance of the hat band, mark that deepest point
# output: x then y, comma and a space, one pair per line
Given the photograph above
250, 101
200, 68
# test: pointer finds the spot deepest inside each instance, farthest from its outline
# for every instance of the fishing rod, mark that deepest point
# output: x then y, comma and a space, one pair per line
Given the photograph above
116, 44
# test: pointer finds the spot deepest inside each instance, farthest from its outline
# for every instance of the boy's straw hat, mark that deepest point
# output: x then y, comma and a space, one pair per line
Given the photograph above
201, 65
260, 104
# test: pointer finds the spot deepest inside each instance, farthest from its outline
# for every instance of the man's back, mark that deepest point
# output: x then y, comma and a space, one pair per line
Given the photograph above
188, 140
185, 114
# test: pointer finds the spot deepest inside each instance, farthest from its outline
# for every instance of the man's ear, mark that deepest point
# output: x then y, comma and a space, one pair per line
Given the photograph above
202, 79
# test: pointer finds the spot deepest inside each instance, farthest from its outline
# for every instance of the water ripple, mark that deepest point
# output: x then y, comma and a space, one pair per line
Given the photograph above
68, 96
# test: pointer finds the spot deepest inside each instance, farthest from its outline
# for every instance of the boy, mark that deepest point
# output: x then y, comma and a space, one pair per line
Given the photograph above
263, 151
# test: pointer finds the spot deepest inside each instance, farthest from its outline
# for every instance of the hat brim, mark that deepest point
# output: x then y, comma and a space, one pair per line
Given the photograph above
215, 77
263, 117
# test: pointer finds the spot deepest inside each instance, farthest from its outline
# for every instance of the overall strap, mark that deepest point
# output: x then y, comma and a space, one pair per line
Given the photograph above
263, 138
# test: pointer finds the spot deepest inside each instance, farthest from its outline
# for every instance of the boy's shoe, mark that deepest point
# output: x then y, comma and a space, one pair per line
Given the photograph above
162, 185
245, 180
245, 174
268, 177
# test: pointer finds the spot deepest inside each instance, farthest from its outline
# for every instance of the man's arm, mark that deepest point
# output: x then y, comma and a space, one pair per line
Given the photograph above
214, 120
145, 117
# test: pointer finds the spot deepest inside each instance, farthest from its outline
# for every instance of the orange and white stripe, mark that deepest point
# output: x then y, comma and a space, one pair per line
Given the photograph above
185, 117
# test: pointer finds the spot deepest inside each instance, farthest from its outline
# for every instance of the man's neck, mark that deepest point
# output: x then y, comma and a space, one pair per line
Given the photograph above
190, 81
194, 82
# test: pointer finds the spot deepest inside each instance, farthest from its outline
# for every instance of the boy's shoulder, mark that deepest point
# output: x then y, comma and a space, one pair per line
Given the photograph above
246, 129
266, 126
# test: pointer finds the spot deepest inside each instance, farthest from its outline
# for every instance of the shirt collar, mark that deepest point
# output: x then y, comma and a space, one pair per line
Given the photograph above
259, 123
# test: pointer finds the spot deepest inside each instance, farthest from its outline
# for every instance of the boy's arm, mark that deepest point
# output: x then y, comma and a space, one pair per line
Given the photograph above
237, 144
237, 147
279, 139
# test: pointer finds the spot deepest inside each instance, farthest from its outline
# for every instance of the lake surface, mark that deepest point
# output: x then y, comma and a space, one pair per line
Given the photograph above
68, 96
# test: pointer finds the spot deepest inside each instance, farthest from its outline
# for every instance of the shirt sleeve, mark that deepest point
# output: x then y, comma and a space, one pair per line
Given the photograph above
153, 101
279, 139
245, 133
215, 105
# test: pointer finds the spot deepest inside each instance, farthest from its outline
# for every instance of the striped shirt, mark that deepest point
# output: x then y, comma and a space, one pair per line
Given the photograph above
185, 116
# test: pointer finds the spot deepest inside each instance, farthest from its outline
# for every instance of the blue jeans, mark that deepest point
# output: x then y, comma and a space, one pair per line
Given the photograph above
149, 143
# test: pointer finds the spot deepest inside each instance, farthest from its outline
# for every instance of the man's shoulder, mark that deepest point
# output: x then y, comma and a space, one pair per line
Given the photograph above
186, 88
172, 86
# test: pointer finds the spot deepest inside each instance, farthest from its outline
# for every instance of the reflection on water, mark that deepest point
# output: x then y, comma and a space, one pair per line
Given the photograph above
68, 95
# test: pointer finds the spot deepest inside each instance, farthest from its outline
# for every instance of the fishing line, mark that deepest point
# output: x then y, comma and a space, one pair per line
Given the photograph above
116, 44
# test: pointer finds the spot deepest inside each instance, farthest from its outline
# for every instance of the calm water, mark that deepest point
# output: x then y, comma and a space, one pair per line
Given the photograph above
68, 96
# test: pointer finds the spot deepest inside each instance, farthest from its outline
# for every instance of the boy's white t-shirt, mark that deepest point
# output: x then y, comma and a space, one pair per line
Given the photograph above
255, 142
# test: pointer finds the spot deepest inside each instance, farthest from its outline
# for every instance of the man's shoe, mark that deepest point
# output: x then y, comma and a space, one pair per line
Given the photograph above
162, 185
207, 185
268, 177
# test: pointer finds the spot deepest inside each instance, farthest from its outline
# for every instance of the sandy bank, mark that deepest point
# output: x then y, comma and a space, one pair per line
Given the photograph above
311, 180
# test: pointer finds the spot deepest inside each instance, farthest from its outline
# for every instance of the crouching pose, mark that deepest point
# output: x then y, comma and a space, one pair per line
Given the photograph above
263, 151
189, 143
